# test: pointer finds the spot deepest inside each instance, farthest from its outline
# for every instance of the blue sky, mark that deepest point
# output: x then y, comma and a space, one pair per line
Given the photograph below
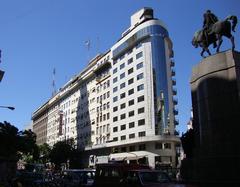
39, 35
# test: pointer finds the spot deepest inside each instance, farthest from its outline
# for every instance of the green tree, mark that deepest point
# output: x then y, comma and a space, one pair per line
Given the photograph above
60, 153
44, 153
9, 141
28, 146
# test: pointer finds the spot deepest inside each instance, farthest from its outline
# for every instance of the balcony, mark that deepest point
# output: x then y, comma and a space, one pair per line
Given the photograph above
173, 72
103, 67
174, 82
175, 111
174, 91
175, 101
172, 63
176, 122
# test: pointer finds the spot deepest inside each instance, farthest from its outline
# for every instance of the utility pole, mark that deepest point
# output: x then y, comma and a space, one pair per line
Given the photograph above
1, 72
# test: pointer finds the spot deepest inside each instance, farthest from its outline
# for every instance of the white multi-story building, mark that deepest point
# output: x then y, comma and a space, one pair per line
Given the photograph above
123, 101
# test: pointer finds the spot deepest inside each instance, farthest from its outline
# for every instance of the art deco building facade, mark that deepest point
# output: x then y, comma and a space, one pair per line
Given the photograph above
124, 100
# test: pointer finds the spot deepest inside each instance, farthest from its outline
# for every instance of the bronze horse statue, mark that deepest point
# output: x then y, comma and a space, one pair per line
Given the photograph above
218, 29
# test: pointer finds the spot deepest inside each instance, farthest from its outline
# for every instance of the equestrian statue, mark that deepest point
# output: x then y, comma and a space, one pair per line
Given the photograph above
212, 32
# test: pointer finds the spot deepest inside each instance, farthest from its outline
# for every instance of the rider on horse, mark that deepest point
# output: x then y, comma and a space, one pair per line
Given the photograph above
209, 20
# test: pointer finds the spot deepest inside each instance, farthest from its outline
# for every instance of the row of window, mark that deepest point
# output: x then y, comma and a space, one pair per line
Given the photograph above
130, 125
103, 107
138, 55
130, 136
103, 129
103, 97
103, 117
103, 86
141, 147
130, 92
130, 71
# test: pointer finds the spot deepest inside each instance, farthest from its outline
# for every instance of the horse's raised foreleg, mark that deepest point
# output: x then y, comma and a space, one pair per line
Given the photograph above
233, 43
219, 42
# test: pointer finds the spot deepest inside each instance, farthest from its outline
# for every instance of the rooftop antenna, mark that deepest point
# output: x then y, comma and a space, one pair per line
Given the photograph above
53, 82
88, 45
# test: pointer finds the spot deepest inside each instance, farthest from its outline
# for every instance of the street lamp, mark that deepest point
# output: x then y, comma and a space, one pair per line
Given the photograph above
9, 107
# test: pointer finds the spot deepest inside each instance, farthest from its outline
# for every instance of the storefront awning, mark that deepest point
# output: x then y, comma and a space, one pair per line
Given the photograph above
131, 155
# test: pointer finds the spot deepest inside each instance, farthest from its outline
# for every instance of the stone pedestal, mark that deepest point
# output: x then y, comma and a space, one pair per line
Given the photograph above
215, 87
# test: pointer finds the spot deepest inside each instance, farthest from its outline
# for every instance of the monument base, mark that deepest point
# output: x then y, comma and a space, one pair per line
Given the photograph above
215, 87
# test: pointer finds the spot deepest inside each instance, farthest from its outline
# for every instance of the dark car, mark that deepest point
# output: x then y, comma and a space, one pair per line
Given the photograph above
131, 175
78, 177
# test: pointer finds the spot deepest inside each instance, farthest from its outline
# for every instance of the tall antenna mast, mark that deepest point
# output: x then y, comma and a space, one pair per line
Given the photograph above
88, 44
53, 82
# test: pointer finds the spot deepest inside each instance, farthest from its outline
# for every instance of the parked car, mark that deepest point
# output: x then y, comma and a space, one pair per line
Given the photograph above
129, 175
78, 177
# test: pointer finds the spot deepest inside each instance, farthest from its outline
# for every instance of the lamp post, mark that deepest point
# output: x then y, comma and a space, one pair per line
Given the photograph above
9, 107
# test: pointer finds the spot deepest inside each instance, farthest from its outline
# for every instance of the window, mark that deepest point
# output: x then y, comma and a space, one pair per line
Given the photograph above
123, 149
131, 113
123, 116
138, 45
108, 115
131, 136
130, 51
122, 95
123, 127
123, 137
123, 106
104, 117
132, 148
130, 81
158, 146
115, 129
115, 79
142, 147
131, 102
140, 76
108, 94
141, 122
140, 87
115, 98
130, 92
114, 62
115, 109
115, 139
122, 75
122, 65
130, 61
115, 118
139, 55
139, 65
121, 57
130, 71
122, 85
141, 110
131, 124
114, 70
142, 134
167, 146
115, 89
141, 98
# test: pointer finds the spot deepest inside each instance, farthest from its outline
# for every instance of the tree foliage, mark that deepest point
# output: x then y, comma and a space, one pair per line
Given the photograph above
60, 153
15, 143
44, 153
